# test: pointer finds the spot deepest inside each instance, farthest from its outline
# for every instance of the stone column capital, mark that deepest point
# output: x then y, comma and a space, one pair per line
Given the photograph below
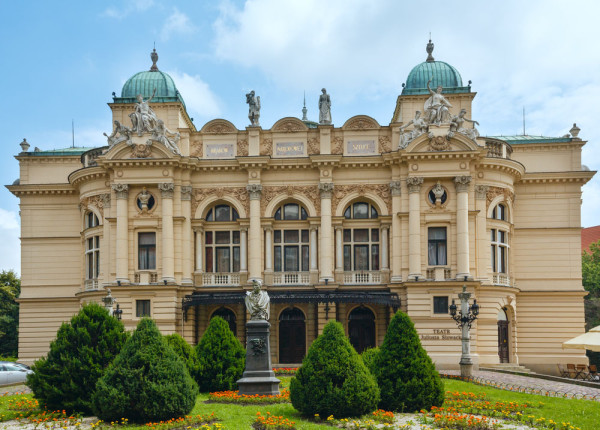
326, 189
481, 192
186, 192
462, 183
414, 184
244, 229
121, 190
254, 191
166, 189
396, 188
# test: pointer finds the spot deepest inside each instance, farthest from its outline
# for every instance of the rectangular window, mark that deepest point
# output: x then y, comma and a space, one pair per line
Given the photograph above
223, 254
437, 246
209, 259
374, 257
347, 258
147, 251
291, 236
361, 235
291, 258
305, 258
361, 257
222, 237
277, 256
92, 257
142, 308
236, 258
440, 305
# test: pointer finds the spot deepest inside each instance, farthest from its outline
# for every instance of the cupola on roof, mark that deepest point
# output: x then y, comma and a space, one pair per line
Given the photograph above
440, 72
145, 83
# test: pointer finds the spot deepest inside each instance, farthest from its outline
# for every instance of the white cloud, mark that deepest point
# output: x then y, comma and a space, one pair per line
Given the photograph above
176, 23
129, 7
9, 241
200, 101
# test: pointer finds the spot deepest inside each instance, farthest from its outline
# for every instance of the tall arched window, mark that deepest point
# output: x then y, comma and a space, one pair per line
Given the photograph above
222, 254
499, 239
92, 250
361, 243
291, 244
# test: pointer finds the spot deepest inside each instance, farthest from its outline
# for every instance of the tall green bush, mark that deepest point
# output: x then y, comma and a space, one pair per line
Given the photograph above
185, 352
146, 382
405, 373
333, 379
82, 350
368, 357
221, 358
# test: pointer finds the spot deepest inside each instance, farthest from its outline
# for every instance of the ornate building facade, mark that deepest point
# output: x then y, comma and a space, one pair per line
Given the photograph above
347, 223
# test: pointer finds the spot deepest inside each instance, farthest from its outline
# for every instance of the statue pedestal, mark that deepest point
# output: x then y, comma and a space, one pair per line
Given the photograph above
258, 377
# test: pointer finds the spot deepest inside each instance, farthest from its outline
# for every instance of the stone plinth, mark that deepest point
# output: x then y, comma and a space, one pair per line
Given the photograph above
258, 377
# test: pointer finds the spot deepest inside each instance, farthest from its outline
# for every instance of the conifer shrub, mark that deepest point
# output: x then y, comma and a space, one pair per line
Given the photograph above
405, 373
185, 352
368, 356
221, 358
146, 382
83, 349
333, 379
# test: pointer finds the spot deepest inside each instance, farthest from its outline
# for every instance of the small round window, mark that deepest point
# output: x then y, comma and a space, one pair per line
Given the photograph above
437, 193
145, 201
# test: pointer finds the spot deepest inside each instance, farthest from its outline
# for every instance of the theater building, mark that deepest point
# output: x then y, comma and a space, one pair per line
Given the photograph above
349, 222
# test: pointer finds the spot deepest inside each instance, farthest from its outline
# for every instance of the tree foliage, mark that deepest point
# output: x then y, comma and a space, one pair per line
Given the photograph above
590, 270
10, 290
185, 352
147, 381
221, 357
82, 350
333, 379
405, 373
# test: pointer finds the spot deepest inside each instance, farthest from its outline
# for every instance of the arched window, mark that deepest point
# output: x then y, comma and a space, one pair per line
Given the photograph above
228, 316
361, 210
91, 220
222, 213
361, 246
291, 243
92, 252
500, 245
221, 245
290, 212
499, 212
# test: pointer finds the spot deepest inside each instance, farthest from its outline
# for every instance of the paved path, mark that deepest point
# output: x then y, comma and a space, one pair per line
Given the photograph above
13, 389
531, 385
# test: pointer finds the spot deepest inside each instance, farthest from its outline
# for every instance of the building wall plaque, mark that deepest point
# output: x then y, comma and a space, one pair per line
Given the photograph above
289, 149
219, 150
361, 147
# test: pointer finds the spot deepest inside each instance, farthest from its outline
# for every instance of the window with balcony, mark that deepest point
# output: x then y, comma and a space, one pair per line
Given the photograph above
499, 240
291, 245
361, 244
147, 251
437, 246
222, 242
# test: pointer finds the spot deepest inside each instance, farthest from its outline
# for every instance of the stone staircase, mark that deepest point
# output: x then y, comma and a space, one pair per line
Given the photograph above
507, 367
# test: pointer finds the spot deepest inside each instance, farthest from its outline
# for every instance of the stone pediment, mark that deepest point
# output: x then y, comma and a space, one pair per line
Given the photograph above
437, 140
138, 148
289, 125
361, 122
219, 126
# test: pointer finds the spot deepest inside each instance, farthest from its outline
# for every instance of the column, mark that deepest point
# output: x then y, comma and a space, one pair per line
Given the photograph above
268, 248
254, 233
482, 238
313, 249
199, 250
243, 250
105, 249
414, 227
186, 237
462, 226
168, 249
396, 190
326, 190
121, 251
339, 250
384, 247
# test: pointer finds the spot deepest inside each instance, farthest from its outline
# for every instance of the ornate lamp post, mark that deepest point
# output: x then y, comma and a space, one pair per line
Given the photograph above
109, 302
464, 318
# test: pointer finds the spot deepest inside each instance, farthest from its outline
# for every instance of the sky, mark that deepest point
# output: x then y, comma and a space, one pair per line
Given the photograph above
62, 60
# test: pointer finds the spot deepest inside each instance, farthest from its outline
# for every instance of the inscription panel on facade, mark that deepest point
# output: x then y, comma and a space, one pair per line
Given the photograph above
440, 334
361, 147
289, 149
219, 150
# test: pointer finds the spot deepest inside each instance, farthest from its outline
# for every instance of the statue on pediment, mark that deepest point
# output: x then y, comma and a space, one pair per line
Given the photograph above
119, 134
253, 108
324, 108
456, 125
143, 118
436, 106
162, 134
419, 127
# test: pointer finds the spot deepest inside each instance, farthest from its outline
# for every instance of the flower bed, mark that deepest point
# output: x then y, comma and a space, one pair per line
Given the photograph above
272, 422
244, 399
188, 422
285, 371
368, 421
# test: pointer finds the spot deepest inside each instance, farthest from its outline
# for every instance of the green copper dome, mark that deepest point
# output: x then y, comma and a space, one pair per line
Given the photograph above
145, 83
439, 72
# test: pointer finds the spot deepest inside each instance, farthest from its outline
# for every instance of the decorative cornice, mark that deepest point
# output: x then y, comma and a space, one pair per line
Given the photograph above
242, 148
289, 126
186, 192
166, 189
99, 201
121, 190
494, 192
462, 183
314, 146
325, 190
338, 145
196, 148
266, 147
254, 191
414, 184
396, 188
362, 123
481, 191
220, 127
385, 144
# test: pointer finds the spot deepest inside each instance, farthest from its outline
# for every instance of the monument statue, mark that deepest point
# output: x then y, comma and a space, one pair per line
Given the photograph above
457, 122
253, 108
143, 118
163, 135
144, 198
438, 192
419, 127
258, 302
437, 106
324, 108
124, 134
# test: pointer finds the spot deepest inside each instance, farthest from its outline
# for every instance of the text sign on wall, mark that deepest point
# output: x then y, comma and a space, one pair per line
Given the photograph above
289, 149
219, 150
440, 334
360, 147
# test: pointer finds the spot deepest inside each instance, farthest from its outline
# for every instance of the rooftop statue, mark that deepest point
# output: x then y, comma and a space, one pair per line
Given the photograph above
456, 125
419, 127
258, 302
163, 135
143, 118
436, 106
253, 108
124, 134
324, 108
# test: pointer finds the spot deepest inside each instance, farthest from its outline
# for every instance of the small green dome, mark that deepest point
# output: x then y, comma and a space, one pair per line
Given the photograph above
145, 83
440, 73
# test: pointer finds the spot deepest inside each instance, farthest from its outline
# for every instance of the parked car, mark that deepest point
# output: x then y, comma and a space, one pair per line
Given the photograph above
12, 373
24, 366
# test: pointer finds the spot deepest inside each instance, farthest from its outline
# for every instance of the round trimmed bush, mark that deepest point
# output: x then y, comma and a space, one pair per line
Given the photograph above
146, 382
66, 378
405, 373
221, 358
185, 352
333, 379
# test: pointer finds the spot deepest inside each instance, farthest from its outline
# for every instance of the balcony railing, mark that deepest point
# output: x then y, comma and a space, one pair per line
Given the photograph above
219, 279
362, 278
291, 278
91, 284
498, 149
438, 273
145, 278
501, 279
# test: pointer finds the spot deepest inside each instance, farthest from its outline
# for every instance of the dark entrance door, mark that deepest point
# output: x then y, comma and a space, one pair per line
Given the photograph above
292, 336
361, 327
503, 341
227, 315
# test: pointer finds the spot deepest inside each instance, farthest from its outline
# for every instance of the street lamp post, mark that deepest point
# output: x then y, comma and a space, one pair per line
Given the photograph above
109, 302
464, 318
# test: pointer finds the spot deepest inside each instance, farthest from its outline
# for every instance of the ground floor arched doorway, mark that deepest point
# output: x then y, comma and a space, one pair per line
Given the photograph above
292, 336
228, 316
361, 327
503, 333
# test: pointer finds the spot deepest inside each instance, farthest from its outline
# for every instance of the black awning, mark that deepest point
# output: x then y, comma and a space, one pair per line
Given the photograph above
379, 297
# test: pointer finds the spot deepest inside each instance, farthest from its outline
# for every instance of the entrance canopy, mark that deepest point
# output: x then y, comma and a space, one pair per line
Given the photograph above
589, 340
